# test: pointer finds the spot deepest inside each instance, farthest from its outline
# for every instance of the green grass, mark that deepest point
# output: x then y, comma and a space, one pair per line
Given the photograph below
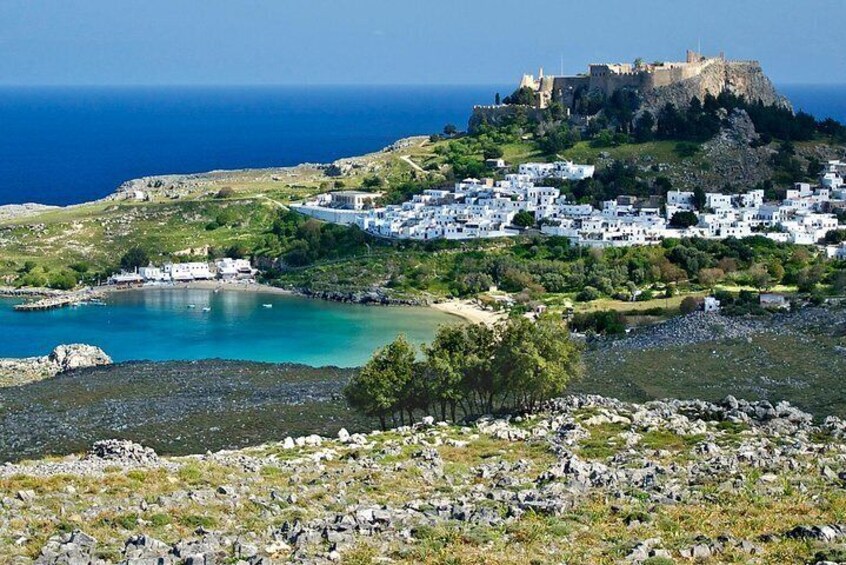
604, 441
660, 151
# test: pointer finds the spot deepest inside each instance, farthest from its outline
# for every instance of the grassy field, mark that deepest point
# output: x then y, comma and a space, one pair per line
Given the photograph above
659, 151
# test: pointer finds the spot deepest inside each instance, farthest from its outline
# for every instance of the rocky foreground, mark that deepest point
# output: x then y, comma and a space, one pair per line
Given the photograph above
585, 479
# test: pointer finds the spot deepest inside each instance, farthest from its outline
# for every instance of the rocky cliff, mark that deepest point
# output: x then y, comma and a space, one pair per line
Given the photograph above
62, 358
742, 78
584, 479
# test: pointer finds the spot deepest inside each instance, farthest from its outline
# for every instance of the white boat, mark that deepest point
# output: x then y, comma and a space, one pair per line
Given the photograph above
207, 309
267, 305
192, 306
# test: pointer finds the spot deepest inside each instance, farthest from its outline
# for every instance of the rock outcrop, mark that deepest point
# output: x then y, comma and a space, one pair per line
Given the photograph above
63, 358
742, 78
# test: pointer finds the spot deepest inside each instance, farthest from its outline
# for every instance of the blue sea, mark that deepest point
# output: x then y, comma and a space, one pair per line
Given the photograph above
69, 145
158, 325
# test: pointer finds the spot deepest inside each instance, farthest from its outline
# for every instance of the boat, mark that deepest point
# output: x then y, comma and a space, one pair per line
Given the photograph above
267, 305
192, 306
207, 309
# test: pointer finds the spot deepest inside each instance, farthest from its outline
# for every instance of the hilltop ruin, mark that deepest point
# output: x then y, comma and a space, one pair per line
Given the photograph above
656, 84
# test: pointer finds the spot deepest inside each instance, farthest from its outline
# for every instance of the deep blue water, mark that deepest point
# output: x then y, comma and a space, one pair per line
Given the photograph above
157, 325
820, 100
70, 145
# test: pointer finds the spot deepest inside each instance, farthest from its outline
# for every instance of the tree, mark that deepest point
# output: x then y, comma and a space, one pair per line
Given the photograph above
373, 181
559, 139
643, 127
497, 99
683, 220
133, 259
809, 277
689, 304
524, 96
710, 277
225, 192
523, 219
450, 130
458, 360
377, 389
699, 198
760, 277
838, 282
534, 361
492, 152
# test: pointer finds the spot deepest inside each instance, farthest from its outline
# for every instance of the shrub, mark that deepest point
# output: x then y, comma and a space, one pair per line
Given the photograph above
689, 304
606, 322
587, 294
225, 192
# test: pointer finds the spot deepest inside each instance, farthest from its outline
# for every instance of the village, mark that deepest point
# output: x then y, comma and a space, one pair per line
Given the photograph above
226, 269
486, 208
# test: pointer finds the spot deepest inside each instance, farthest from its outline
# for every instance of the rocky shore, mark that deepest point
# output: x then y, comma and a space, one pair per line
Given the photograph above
369, 297
584, 479
15, 372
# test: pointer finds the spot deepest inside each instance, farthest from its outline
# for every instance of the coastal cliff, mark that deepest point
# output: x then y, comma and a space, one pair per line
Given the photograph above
584, 479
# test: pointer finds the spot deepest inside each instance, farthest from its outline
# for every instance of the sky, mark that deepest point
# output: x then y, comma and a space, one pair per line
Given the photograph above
246, 42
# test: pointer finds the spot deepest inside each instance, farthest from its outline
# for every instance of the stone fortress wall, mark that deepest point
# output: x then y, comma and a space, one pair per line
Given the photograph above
658, 83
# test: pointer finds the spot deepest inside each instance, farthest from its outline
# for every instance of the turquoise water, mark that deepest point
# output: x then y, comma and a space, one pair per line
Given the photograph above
158, 325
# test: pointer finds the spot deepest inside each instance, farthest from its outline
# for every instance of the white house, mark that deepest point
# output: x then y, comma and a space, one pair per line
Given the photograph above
711, 304
230, 269
837, 252
152, 274
125, 278
183, 272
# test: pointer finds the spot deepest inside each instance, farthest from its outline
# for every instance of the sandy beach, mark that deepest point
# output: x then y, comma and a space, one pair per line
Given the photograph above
470, 311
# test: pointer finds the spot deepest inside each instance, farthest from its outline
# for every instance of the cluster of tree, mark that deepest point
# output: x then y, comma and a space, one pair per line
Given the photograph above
540, 265
227, 216
467, 370
617, 179
701, 120
835, 237
32, 274
603, 322
466, 154
524, 96
300, 241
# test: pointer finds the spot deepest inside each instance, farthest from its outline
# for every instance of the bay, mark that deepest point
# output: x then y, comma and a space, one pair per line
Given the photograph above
171, 324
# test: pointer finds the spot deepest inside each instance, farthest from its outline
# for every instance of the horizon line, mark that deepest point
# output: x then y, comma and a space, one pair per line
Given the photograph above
310, 85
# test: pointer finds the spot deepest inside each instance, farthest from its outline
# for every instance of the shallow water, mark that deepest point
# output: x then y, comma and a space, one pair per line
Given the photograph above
159, 325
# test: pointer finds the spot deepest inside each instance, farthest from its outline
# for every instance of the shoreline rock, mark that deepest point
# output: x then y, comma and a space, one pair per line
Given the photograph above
366, 297
63, 358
